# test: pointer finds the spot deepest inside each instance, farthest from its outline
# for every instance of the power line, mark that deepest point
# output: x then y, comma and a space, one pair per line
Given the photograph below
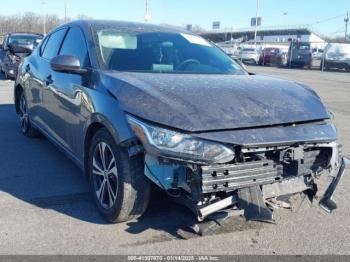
340, 30
327, 19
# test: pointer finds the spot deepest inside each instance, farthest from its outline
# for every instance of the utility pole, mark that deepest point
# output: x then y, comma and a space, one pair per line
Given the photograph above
44, 18
346, 20
256, 20
147, 12
65, 11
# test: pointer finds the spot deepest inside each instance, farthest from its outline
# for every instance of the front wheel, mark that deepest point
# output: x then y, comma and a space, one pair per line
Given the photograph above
120, 189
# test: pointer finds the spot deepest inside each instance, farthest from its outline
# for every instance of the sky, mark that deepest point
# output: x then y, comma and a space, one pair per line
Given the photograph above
326, 17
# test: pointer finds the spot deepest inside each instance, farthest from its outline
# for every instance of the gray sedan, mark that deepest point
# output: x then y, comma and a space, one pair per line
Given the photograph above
135, 105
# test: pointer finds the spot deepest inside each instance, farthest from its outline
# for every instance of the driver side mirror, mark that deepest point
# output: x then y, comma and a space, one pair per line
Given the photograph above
21, 49
67, 64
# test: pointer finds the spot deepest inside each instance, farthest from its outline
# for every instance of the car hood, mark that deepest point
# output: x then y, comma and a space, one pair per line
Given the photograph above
197, 103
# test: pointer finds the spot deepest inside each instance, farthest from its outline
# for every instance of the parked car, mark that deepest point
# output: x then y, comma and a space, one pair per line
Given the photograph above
137, 104
249, 55
299, 54
271, 55
317, 53
337, 56
13, 48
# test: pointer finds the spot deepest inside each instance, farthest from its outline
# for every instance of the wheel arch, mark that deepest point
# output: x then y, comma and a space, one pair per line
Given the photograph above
97, 122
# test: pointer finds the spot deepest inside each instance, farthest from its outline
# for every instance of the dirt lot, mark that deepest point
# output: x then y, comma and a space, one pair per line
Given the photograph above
45, 207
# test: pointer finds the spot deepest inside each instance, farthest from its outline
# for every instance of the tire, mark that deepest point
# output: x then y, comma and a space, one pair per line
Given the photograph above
120, 189
324, 66
26, 126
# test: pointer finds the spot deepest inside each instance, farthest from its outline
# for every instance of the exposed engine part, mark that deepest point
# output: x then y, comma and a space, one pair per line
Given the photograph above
212, 208
287, 187
275, 203
256, 178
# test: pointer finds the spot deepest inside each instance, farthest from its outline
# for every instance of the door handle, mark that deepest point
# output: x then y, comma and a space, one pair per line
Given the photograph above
48, 80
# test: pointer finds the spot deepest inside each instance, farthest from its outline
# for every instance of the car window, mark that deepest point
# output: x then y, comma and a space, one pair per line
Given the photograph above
248, 50
74, 44
161, 52
53, 44
340, 49
43, 45
25, 39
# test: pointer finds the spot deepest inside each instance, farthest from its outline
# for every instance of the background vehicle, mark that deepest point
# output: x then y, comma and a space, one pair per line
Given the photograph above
14, 47
271, 55
249, 55
317, 53
299, 54
337, 56
134, 104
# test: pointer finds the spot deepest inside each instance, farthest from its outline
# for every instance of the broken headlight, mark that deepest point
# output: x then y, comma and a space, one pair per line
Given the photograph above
176, 145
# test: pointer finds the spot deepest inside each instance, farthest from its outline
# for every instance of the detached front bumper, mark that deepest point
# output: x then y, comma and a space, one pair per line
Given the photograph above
327, 203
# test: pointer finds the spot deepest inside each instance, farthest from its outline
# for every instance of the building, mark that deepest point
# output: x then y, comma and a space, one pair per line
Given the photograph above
265, 36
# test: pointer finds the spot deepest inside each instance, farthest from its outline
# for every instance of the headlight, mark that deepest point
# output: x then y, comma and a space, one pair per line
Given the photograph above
176, 145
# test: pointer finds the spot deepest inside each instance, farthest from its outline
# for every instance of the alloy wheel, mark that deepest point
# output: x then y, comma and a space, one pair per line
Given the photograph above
105, 175
23, 116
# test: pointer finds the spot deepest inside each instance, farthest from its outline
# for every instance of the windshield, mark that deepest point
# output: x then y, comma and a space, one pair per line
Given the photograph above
24, 40
159, 52
339, 49
301, 46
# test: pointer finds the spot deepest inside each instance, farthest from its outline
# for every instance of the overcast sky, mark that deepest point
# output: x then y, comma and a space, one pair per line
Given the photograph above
231, 13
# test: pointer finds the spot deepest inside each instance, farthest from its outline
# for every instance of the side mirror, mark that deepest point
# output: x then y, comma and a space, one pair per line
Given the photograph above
21, 49
67, 64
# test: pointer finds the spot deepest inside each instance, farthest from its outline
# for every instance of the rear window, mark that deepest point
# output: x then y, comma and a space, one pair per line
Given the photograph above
25, 39
301, 46
248, 50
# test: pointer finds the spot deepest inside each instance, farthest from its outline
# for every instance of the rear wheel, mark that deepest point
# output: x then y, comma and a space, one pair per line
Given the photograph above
26, 126
120, 189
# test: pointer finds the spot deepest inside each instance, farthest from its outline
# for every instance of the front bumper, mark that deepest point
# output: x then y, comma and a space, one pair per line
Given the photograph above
327, 203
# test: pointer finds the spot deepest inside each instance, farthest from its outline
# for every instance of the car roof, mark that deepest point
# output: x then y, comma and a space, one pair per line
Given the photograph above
127, 25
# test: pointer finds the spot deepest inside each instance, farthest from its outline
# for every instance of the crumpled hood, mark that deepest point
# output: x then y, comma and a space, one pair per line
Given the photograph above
197, 103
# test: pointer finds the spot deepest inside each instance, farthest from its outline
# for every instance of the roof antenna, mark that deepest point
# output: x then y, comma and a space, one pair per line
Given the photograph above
147, 12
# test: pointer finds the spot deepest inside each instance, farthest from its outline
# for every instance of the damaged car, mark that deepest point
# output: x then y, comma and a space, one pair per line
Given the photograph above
16, 46
136, 105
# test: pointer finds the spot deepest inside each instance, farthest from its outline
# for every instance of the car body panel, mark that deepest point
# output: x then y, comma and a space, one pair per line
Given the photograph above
181, 101
274, 136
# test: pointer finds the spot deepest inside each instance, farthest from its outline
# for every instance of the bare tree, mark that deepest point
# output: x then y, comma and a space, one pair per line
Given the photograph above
28, 22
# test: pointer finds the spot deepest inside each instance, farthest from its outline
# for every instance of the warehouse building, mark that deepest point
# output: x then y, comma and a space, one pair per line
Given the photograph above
267, 36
